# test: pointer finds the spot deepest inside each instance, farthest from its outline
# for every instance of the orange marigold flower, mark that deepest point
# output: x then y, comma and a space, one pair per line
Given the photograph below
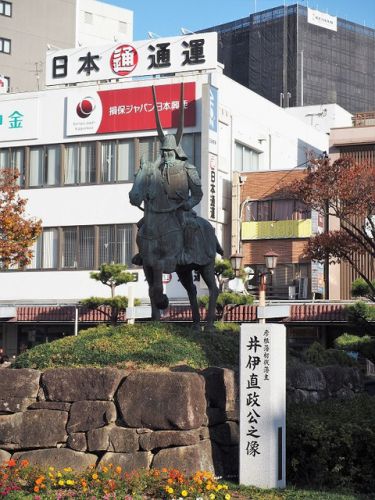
24, 463
118, 469
164, 470
170, 480
39, 480
36, 489
11, 463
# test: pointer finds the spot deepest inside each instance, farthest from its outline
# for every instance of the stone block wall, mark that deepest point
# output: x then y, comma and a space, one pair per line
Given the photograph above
79, 417
309, 384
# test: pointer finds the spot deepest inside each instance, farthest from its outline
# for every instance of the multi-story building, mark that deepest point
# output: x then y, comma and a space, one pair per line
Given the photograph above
29, 28
358, 142
269, 221
297, 56
78, 147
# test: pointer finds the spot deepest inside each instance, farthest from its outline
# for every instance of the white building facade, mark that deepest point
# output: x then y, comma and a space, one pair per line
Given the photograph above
78, 148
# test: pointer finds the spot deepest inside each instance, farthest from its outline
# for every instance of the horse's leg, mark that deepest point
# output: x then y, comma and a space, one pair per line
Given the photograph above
155, 312
208, 275
186, 278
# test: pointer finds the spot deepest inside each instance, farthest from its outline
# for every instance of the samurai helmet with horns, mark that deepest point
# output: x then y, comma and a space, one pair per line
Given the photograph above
170, 142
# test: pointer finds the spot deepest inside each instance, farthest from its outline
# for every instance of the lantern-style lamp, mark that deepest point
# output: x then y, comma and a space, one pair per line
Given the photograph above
236, 262
271, 260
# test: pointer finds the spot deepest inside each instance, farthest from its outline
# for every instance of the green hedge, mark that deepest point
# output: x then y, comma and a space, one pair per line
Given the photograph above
332, 444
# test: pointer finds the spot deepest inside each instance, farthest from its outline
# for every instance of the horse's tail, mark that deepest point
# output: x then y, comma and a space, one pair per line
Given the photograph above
219, 249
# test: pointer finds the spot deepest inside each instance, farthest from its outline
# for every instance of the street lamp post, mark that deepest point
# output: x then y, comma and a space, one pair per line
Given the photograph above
271, 263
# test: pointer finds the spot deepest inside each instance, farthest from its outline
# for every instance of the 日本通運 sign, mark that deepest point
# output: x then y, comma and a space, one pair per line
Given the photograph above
132, 59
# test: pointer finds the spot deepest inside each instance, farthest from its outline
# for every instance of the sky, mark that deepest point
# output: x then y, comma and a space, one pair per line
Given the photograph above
167, 17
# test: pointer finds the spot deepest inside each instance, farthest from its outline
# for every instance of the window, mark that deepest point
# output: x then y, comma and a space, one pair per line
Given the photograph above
246, 160
79, 163
117, 161
14, 158
88, 17
82, 247
5, 44
123, 27
90, 162
115, 244
5, 8
274, 210
44, 166
45, 250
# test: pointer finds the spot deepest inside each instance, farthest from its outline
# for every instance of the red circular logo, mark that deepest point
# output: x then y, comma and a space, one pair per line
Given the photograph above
85, 107
123, 60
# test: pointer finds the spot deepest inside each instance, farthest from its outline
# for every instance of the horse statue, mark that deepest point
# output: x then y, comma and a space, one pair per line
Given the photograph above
171, 237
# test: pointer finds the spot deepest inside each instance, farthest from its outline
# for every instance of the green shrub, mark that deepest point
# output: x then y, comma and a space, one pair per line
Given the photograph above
332, 444
226, 298
364, 345
317, 355
136, 346
360, 288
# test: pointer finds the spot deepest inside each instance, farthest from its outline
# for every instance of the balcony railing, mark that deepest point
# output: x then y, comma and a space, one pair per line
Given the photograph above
276, 229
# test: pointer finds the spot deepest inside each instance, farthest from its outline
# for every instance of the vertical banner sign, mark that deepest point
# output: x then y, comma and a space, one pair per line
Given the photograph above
212, 173
212, 154
262, 405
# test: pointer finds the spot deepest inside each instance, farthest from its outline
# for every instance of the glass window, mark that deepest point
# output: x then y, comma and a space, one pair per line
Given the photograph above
275, 210
5, 45
246, 159
108, 161
14, 158
79, 163
86, 249
44, 165
5, 8
36, 166
115, 244
125, 160
50, 248
146, 148
69, 248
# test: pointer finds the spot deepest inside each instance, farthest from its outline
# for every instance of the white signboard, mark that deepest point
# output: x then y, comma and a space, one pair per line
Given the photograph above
133, 59
3, 85
322, 19
262, 405
19, 119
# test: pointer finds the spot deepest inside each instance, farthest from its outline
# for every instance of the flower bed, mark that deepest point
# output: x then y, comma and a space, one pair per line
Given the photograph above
20, 480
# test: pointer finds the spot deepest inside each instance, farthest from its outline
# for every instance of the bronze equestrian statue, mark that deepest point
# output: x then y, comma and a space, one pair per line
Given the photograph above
171, 237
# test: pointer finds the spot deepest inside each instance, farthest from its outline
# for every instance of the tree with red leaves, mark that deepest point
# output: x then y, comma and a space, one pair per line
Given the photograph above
17, 233
344, 189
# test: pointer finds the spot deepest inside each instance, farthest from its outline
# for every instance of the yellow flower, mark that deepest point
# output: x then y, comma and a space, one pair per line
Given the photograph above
219, 487
105, 469
184, 493
225, 486
51, 468
168, 489
68, 469
95, 476
70, 482
59, 474
61, 482
227, 496
212, 496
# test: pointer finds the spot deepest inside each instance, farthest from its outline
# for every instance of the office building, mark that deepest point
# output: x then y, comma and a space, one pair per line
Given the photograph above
30, 28
297, 56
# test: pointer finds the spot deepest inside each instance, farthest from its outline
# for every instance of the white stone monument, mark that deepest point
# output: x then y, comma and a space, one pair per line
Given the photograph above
262, 405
